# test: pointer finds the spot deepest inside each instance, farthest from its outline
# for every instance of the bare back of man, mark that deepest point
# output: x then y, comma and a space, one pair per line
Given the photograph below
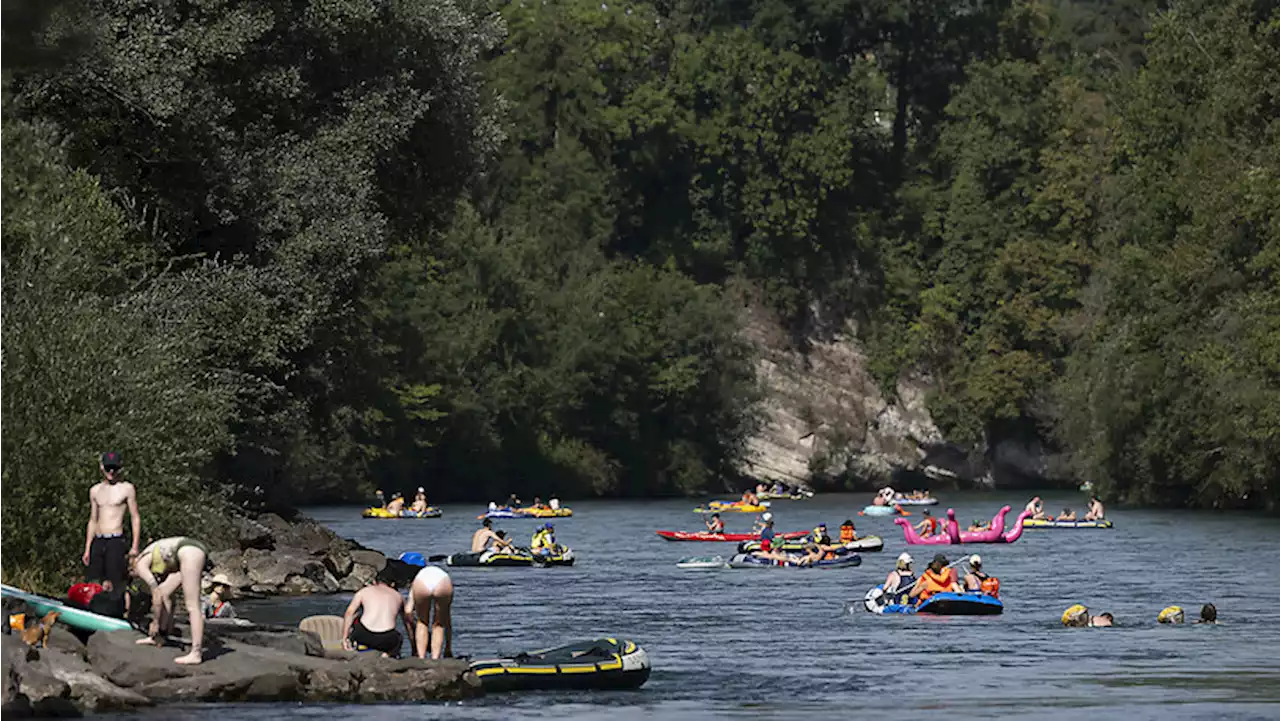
481, 539
378, 606
105, 547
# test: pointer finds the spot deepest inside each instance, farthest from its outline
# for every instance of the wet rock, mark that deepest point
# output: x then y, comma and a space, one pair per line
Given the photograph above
330, 685
64, 640
46, 694
251, 534
89, 691
365, 557
338, 559
117, 657
416, 680
359, 577
272, 569
288, 639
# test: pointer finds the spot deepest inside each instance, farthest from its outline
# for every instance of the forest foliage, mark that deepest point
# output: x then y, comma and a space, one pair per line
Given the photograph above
279, 250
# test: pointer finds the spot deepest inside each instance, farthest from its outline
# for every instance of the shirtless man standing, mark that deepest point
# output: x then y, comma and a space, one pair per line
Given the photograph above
105, 550
379, 605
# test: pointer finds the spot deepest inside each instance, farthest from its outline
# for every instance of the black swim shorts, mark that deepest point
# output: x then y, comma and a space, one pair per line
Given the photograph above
386, 641
108, 559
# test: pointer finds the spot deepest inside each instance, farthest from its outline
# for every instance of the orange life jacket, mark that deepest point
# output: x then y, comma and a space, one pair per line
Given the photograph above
936, 582
932, 528
991, 586
846, 534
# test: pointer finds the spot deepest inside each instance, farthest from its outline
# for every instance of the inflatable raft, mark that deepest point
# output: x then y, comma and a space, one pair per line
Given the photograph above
528, 513
915, 501
882, 511
953, 535
1104, 523
793, 496
940, 604
603, 664
746, 560
517, 558
721, 537
734, 508
384, 513
867, 544
70, 615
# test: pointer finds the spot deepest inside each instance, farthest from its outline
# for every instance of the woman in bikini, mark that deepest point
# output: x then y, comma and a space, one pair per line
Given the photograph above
164, 566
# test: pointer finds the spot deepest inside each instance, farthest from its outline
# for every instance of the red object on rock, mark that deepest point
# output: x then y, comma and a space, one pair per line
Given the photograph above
82, 593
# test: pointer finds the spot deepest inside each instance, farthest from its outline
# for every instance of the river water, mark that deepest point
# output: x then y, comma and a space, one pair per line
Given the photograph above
775, 643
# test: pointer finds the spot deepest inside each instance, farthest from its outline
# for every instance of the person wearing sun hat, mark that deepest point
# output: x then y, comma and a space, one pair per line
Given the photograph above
900, 579
419, 501
217, 605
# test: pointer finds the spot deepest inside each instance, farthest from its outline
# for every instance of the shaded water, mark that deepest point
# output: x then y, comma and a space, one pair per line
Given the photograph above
771, 643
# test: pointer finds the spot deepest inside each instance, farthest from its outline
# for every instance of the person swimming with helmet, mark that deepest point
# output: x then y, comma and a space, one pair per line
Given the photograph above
1078, 616
1172, 615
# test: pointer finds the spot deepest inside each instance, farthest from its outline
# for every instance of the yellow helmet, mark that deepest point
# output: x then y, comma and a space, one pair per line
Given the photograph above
1072, 615
1172, 614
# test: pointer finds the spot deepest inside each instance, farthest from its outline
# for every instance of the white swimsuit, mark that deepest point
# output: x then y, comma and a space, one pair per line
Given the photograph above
430, 578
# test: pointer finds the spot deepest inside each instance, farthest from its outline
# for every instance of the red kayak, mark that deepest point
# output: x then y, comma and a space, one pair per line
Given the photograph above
734, 537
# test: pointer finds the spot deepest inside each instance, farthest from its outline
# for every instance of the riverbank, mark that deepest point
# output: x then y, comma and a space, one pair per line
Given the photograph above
243, 663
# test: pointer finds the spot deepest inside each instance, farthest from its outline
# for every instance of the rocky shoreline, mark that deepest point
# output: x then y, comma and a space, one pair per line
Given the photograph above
275, 556
243, 663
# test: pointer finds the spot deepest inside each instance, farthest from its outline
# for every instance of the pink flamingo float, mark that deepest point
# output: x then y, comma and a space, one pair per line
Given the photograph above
995, 534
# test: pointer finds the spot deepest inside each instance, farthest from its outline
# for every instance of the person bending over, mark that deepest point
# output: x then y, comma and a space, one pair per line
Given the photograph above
370, 619
164, 566
430, 605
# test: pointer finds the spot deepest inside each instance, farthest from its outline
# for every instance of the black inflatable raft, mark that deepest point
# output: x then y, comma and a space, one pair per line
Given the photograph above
516, 558
605, 663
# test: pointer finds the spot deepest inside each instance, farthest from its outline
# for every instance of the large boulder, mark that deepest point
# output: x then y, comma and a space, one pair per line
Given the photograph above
338, 558
89, 691
302, 532
365, 557
118, 657
387, 680
272, 570
337, 684
251, 534
289, 639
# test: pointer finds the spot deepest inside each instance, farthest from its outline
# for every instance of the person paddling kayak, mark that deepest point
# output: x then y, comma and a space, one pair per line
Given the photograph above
715, 525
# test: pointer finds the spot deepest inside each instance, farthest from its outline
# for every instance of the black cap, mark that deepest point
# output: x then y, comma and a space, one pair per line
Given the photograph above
111, 459
926, 512
939, 558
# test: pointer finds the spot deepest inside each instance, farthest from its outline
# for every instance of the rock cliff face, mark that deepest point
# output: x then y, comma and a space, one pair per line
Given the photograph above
825, 416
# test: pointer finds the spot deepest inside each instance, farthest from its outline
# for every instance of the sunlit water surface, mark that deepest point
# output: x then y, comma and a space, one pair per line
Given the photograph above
775, 643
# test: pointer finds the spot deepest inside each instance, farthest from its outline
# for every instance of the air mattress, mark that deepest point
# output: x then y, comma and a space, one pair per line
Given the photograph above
732, 509
602, 664
518, 558
868, 544
70, 615
746, 560
702, 562
796, 496
1104, 523
721, 537
384, 513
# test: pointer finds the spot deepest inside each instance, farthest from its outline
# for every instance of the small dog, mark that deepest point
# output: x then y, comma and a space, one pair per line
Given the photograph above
38, 634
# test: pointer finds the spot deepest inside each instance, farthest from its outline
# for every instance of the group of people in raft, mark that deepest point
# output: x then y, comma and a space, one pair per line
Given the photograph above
818, 545
396, 504
117, 569
929, 525
902, 586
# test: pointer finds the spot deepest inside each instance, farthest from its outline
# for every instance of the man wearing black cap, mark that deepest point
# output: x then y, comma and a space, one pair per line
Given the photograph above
105, 549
